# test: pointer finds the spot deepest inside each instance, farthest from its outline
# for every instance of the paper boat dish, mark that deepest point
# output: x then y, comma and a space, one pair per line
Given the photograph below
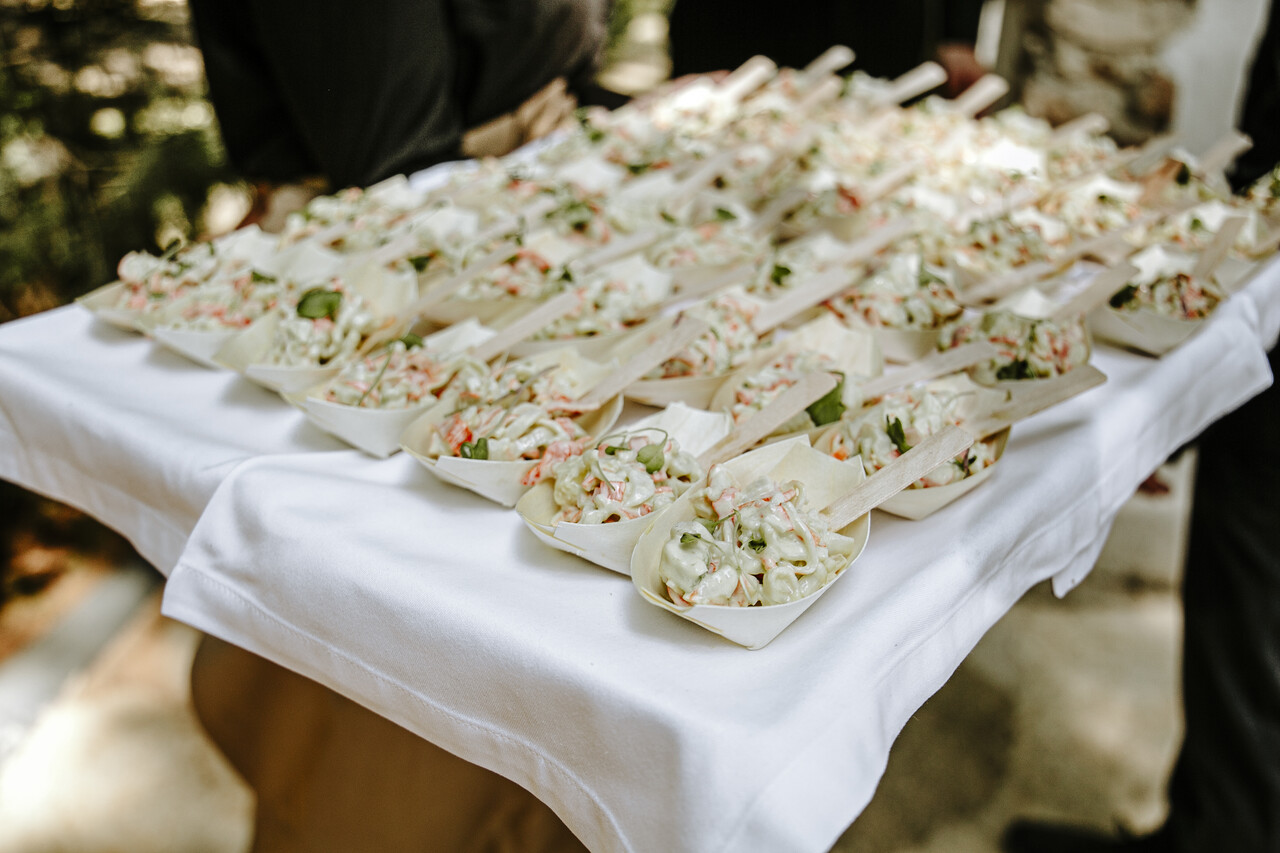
825, 479
915, 504
385, 292
200, 346
610, 545
377, 431
500, 481
854, 351
104, 303
1142, 330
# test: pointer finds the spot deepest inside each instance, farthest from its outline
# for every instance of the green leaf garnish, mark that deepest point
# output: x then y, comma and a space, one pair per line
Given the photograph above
1123, 296
669, 219
686, 538
896, 433
478, 449
651, 457
1017, 369
712, 524
757, 545
1184, 175
421, 262
723, 214
410, 340
639, 168
613, 449
779, 273
261, 277
828, 408
319, 302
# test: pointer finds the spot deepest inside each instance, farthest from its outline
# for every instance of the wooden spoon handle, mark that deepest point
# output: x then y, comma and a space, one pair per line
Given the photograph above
775, 413
1043, 394
935, 450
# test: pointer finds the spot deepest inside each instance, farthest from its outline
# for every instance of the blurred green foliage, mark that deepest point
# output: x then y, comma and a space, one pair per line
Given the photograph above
106, 142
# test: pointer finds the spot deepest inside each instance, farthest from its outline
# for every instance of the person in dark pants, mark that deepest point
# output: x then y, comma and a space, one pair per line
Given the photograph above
1225, 790
357, 93
888, 38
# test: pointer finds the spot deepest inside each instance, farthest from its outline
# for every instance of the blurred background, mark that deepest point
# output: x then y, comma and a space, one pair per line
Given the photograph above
107, 145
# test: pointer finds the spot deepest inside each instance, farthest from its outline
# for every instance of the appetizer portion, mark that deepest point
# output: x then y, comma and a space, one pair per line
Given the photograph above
500, 433
902, 293
758, 544
1165, 287
724, 347
228, 303
400, 375
622, 477
756, 390
1029, 348
327, 325
884, 431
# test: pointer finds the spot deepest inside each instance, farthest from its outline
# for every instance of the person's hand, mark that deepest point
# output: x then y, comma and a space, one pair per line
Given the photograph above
542, 113
963, 69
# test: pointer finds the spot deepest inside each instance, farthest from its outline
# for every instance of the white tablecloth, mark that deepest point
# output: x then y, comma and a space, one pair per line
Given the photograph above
441, 612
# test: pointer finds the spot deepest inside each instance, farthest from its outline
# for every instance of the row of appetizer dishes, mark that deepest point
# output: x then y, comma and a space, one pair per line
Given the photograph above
744, 255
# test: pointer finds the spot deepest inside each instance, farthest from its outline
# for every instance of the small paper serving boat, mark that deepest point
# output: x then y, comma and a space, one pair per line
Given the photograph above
1150, 332
377, 431
386, 291
104, 303
502, 481
825, 479
610, 545
855, 353
916, 503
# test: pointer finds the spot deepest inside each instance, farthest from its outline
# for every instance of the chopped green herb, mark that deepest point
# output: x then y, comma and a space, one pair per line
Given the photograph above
319, 302
639, 168
897, 434
757, 545
651, 457
421, 262
479, 449
669, 219
1123, 296
724, 214
830, 406
261, 277
1184, 175
1019, 368
613, 450
779, 274
410, 340
687, 538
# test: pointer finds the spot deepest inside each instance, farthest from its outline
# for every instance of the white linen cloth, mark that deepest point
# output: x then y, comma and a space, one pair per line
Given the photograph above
441, 612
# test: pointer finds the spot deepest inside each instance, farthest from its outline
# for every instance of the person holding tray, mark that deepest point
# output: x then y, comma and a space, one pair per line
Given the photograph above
321, 95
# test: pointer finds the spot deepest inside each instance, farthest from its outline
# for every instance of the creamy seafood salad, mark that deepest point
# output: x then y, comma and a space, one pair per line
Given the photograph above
884, 431
622, 477
751, 544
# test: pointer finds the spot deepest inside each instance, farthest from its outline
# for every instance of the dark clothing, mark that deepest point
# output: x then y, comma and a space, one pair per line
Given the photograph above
1225, 792
1261, 116
357, 93
888, 38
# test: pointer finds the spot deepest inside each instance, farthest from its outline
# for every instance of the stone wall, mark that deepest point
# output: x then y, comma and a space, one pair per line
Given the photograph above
1102, 56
